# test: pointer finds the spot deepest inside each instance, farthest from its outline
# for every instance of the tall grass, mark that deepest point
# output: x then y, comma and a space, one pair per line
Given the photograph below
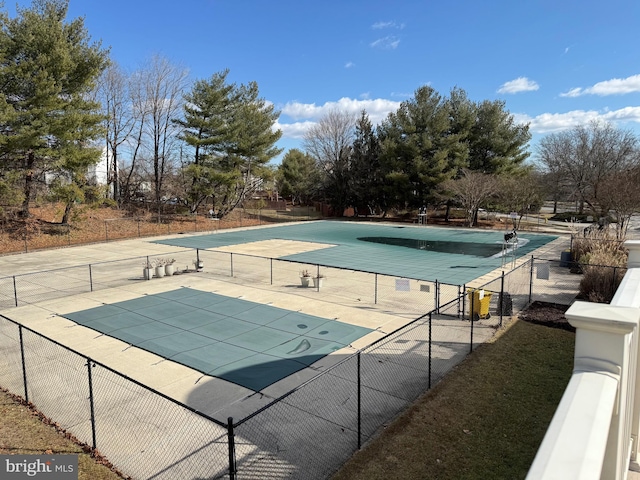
603, 259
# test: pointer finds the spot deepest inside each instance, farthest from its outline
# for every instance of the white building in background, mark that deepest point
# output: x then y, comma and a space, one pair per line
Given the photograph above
99, 173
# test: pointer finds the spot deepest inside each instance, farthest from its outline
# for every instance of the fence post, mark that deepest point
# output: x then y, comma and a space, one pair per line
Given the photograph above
15, 291
501, 302
317, 277
232, 449
375, 294
24, 366
471, 318
271, 268
429, 350
90, 280
459, 302
464, 298
231, 259
435, 296
91, 404
531, 280
359, 404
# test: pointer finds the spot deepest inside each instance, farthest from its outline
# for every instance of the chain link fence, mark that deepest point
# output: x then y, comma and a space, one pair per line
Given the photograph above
404, 296
144, 433
29, 288
307, 433
55, 235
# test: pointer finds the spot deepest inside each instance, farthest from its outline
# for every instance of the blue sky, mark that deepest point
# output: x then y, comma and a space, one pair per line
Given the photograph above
556, 63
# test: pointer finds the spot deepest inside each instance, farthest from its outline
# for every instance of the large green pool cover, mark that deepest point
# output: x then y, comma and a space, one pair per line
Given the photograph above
247, 343
454, 256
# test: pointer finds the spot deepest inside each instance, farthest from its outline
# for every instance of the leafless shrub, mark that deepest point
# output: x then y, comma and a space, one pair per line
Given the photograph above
603, 267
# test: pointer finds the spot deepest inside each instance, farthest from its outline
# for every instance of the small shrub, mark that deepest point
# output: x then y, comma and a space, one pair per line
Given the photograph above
603, 271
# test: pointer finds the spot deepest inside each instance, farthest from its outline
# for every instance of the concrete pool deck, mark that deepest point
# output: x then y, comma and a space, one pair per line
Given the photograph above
216, 397
178, 381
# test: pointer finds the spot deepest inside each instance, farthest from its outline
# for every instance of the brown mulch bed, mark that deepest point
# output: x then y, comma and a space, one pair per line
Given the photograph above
547, 314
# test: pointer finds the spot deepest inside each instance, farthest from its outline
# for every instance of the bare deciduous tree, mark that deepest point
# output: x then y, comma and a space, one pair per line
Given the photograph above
120, 119
587, 156
161, 86
621, 194
471, 190
520, 193
330, 142
131, 179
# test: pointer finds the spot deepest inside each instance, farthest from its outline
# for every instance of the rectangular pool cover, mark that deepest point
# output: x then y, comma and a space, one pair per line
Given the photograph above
247, 343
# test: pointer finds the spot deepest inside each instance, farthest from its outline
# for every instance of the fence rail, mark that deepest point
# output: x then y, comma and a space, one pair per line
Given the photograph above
306, 433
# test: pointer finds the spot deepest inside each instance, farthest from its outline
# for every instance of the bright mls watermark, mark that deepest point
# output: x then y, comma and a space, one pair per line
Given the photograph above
49, 467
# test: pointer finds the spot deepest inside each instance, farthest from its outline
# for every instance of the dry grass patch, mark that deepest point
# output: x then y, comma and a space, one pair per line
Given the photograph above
486, 419
603, 261
23, 432
43, 229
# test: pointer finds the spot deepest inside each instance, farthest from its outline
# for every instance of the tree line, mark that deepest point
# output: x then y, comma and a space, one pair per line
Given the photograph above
64, 105
452, 151
418, 155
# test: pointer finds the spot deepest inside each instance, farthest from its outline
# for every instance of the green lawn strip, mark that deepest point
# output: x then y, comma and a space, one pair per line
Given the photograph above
23, 432
486, 419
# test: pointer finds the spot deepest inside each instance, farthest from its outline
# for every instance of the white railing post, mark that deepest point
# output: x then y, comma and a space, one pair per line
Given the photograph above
595, 431
589, 436
627, 295
608, 333
633, 246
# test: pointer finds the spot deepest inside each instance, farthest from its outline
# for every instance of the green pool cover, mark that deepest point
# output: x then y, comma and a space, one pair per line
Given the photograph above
454, 256
247, 343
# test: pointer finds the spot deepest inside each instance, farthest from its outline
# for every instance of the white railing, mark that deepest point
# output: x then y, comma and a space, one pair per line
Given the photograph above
594, 432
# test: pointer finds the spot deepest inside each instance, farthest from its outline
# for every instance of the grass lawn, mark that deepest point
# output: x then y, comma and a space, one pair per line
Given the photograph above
485, 420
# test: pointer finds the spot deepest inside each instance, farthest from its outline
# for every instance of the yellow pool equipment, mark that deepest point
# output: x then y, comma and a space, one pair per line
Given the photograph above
479, 301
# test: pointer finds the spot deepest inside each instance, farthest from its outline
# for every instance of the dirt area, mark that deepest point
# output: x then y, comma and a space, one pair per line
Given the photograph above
548, 314
44, 230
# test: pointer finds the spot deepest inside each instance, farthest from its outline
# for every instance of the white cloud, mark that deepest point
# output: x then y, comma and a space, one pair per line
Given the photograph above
376, 108
615, 86
382, 25
626, 114
555, 122
294, 130
349, 65
520, 84
389, 42
574, 92
306, 114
